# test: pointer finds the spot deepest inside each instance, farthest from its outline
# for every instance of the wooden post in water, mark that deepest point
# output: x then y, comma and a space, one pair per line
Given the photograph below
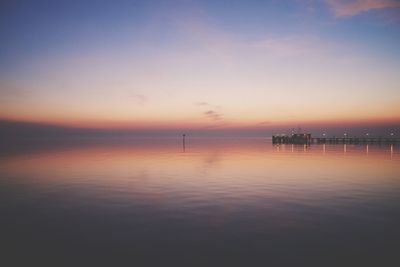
184, 142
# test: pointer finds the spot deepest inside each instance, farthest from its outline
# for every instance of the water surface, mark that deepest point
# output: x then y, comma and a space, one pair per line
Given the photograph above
242, 202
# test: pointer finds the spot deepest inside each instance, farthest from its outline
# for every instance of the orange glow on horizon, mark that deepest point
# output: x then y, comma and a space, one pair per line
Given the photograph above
204, 124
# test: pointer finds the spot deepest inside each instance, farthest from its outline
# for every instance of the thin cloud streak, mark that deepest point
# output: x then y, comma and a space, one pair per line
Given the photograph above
354, 7
214, 115
201, 103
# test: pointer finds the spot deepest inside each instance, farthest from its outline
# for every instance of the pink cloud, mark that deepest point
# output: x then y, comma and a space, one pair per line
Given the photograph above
343, 8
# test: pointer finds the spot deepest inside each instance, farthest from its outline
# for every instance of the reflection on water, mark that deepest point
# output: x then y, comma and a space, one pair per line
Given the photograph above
236, 201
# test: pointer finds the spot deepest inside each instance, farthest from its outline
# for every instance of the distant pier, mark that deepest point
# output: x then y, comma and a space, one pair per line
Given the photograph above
307, 139
356, 140
292, 139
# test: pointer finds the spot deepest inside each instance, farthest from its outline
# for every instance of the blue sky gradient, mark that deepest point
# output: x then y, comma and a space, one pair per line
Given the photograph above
145, 64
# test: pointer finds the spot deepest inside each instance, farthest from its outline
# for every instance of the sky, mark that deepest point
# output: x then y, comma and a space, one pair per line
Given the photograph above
206, 65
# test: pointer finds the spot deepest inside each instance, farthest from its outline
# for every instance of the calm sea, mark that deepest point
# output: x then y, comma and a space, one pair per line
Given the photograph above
214, 202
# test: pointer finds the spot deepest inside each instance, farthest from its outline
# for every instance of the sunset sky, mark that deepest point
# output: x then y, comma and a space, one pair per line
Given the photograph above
200, 64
